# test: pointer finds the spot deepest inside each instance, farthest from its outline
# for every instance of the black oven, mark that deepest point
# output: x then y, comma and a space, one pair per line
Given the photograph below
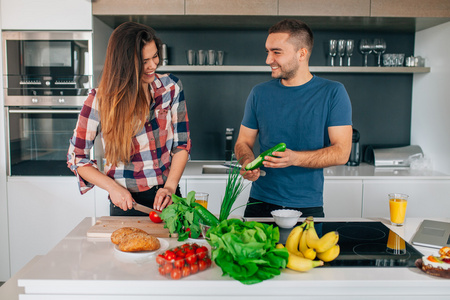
48, 75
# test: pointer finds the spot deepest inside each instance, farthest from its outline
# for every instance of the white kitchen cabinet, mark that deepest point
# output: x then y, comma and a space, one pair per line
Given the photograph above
428, 198
46, 15
41, 211
342, 198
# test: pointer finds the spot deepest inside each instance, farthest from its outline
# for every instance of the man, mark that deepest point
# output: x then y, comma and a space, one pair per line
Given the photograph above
310, 114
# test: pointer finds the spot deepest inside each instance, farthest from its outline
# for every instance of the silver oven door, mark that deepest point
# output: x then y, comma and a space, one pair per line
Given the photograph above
38, 140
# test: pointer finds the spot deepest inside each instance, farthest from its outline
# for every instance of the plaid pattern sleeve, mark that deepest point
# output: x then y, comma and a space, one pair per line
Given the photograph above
82, 141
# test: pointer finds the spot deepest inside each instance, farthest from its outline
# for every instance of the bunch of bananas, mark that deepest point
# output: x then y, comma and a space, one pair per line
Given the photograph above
304, 246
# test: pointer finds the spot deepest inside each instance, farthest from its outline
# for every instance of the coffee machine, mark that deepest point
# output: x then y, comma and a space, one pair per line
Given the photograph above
355, 155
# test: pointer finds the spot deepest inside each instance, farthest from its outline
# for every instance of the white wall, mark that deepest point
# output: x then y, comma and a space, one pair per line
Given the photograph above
430, 120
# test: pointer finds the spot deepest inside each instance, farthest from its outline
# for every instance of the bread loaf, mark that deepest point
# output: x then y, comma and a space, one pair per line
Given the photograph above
130, 239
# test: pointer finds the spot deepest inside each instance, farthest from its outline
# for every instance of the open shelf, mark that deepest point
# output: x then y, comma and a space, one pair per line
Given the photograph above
313, 69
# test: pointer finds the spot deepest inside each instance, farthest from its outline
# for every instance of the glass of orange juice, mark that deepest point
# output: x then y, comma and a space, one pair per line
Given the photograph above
202, 199
397, 208
395, 244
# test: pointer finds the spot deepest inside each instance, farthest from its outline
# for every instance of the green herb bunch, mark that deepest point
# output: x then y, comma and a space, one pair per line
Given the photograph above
235, 185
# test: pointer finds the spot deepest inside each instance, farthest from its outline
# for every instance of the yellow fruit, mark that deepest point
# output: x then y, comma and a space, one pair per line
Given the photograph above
302, 246
279, 246
330, 254
293, 239
324, 243
310, 253
302, 264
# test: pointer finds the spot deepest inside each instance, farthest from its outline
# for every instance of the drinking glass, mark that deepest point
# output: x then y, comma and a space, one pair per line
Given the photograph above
365, 46
397, 208
341, 51
350, 47
202, 199
332, 51
379, 47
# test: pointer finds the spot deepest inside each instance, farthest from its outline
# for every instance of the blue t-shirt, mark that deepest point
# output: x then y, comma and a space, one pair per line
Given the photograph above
298, 116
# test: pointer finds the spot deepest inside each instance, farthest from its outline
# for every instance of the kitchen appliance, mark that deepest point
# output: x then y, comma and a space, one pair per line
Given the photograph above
362, 244
434, 234
46, 68
393, 157
355, 156
47, 77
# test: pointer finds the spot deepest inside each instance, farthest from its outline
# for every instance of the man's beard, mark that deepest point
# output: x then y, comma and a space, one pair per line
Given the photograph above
288, 71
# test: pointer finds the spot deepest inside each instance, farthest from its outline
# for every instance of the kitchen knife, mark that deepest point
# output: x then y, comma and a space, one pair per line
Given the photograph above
231, 166
143, 208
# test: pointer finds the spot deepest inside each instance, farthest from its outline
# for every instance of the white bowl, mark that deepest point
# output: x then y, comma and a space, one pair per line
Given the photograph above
286, 218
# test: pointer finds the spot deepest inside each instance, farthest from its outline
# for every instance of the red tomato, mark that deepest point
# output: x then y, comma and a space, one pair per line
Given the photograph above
179, 262
169, 255
188, 230
191, 258
186, 271
161, 270
160, 260
168, 268
175, 274
208, 262
201, 252
154, 216
180, 253
194, 268
201, 265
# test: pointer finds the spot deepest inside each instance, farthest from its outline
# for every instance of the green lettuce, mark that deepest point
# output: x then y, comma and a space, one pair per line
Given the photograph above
246, 250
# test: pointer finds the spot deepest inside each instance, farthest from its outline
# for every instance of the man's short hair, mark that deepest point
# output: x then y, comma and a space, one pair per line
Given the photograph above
300, 34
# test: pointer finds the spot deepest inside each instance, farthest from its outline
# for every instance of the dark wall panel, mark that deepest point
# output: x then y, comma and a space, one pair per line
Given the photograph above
381, 102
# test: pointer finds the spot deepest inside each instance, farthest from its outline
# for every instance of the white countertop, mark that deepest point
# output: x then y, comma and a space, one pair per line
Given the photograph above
363, 171
91, 268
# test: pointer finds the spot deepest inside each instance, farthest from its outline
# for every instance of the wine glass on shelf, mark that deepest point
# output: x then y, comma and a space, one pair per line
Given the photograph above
379, 47
365, 46
341, 51
332, 51
350, 46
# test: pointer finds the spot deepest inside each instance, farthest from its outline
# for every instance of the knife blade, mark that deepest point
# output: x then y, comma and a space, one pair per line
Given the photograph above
143, 208
232, 166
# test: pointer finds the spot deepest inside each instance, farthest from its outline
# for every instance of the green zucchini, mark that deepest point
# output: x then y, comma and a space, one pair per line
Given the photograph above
205, 215
257, 162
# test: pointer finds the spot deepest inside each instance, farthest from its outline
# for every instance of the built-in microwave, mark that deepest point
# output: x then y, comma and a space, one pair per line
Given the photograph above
50, 68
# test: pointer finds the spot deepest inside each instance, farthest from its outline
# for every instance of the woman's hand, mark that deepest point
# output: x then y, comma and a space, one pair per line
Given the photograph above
121, 197
163, 198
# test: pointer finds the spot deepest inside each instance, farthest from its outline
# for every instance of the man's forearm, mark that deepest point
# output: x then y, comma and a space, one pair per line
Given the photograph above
243, 153
321, 158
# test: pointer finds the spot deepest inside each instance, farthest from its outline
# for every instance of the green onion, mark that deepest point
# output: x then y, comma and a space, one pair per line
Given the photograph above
235, 185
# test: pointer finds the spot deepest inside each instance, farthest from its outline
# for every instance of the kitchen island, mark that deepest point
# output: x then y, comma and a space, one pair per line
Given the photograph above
90, 268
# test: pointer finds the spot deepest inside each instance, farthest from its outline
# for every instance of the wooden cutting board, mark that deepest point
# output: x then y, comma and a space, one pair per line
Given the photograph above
105, 226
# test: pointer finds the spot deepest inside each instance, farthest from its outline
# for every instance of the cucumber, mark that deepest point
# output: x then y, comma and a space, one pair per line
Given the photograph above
257, 162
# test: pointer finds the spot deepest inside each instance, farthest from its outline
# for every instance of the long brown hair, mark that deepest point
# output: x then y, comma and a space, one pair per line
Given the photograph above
122, 103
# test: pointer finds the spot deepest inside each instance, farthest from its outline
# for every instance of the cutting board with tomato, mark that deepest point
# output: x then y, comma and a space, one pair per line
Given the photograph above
105, 226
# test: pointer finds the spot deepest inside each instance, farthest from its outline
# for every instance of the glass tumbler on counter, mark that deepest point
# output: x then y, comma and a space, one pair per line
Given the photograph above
202, 199
397, 208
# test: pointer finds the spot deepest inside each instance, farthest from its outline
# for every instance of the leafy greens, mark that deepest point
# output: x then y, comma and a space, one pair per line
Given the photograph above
246, 250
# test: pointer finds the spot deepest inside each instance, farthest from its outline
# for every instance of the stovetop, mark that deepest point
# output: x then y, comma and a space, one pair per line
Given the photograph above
365, 244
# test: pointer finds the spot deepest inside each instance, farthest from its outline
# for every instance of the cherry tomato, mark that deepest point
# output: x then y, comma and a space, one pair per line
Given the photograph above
180, 253
186, 271
160, 260
179, 262
175, 274
201, 252
162, 270
194, 268
201, 265
169, 255
154, 216
168, 268
191, 258
208, 262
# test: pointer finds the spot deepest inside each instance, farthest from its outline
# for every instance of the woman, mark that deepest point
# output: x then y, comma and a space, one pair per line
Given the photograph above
142, 120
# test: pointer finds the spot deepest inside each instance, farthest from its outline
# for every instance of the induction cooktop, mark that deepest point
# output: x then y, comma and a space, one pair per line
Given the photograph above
365, 244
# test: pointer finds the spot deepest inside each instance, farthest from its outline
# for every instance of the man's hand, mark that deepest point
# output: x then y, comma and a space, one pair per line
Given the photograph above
280, 159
